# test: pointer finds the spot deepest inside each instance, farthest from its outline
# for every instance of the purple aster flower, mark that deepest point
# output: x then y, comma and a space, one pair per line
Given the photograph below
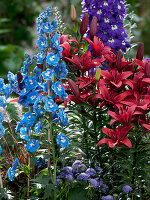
67, 169
93, 182
52, 59
83, 176
76, 163
91, 172
62, 140
110, 15
127, 188
108, 197
32, 145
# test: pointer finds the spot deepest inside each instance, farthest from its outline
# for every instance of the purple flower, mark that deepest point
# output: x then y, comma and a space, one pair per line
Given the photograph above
67, 169
108, 197
127, 188
83, 176
69, 177
93, 182
59, 181
99, 169
110, 15
91, 172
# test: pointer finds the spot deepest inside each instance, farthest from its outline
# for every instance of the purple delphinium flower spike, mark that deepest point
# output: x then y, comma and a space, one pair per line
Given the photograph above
110, 15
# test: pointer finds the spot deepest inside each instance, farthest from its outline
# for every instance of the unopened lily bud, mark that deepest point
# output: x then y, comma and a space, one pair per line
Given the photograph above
93, 28
147, 70
140, 52
84, 24
73, 13
118, 59
98, 74
74, 88
19, 78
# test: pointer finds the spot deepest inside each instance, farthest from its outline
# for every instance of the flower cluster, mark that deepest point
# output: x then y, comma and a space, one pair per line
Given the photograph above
110, 15
79, 172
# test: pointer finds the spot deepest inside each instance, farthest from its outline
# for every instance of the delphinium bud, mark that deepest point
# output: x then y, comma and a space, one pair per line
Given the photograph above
73, 13
93, 28
84, 24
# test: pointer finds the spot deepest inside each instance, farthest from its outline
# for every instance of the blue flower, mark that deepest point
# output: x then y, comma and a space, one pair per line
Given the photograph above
83, 176
15, 163
108, 197
44, 15
1, 117
56, 40
40, 57
63, 117
23, 133
99, 169
42, 42
69, 177
61, 71
59, 90
54, 24
46, 27
13, 82
91, 172
31, 96
32, 145
38, 127
50, 106
19, 124
52, 59
28, 119
55, 117
2, 130
48, 74
62, 140
0, 149
2, 101
30, 83
11, 174
127, 188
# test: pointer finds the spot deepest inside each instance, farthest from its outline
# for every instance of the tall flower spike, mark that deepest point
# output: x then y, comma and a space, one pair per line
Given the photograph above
110, 15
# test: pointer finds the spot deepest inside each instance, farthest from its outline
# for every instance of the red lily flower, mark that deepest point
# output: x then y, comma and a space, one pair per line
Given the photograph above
115, 79
99, 48
124, 116
117, 137
85, 62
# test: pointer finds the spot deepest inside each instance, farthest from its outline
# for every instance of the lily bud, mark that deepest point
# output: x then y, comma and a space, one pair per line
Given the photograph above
84, 24
140, 52
74, 88
73, 13
19, 78
98, 74
93, 28
147, 70
40, 66
118, 59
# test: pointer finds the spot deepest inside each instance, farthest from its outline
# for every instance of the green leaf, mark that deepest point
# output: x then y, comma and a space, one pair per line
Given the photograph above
77, 193
25, 169
76, 27
48, 190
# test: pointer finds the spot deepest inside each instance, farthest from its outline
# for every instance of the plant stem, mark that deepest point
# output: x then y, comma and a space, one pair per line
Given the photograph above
1, 181
134, 164
29, 159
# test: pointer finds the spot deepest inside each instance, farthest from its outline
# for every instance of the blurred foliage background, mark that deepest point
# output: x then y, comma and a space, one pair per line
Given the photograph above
17, 26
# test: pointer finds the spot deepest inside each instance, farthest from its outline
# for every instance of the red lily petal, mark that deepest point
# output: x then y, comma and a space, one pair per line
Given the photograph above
147, 126
103, 141
127, 142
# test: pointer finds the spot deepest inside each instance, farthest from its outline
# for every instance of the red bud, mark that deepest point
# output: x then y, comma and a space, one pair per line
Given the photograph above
140, 52
147, 70
74, 88
118, 59
93, 28
19, 78
84, 24
40, 66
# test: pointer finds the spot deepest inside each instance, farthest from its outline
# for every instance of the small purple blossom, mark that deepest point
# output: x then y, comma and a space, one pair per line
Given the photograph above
108, 197
83, 176
93, 182
127, 188
91, 172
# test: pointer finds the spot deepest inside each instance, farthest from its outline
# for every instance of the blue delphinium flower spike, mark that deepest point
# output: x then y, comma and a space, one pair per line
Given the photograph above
32, 145
52, 59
